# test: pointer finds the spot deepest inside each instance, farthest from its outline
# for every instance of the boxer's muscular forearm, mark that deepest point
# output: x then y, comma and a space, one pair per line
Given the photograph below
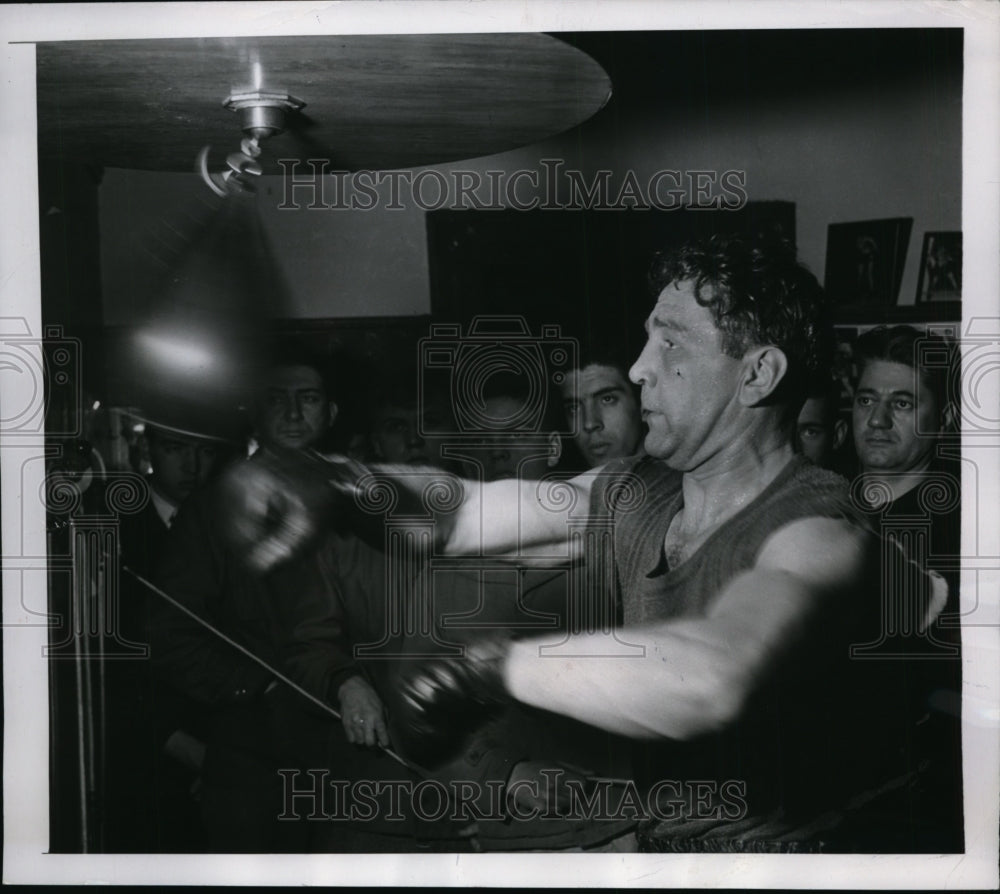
508, 517
514, 518
695, 675
689, 680
472, 517
691, 677
278, 505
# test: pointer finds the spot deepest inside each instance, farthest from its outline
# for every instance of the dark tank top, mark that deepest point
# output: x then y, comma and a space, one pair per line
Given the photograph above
642, 496
821, 727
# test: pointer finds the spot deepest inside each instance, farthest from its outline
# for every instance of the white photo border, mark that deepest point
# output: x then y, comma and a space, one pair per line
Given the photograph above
26, 745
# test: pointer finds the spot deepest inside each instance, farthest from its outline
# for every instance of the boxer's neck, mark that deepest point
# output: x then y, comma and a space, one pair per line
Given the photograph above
720, 488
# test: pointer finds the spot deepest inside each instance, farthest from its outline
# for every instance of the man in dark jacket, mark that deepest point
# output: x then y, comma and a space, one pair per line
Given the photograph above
249, 738
910, 485
154, 733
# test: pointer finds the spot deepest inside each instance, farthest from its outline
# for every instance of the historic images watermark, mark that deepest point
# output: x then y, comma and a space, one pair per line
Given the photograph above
456, 365
312, 795
553, 186
36, 369
462, 360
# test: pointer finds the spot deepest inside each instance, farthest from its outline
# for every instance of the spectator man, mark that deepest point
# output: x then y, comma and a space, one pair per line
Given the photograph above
901, 406
242, 793
155, 735
602, 406
819, 430
506, 450
903, 418
401, 430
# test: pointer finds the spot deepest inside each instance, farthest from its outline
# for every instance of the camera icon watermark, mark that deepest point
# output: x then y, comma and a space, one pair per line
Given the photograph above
973, 385
460, 368
39, 374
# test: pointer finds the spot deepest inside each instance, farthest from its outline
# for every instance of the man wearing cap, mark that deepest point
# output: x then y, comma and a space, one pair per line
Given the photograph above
154, 734
241, 797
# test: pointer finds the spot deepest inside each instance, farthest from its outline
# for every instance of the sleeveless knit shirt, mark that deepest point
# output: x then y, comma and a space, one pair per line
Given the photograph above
642, 496
821, 727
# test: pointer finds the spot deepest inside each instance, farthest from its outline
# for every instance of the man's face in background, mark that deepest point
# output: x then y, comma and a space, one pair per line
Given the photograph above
293, 410
896, 419
508, 454
407, 434
603, 410
819, 432
180, 464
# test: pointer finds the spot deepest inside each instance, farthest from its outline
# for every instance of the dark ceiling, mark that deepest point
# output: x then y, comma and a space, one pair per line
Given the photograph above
375, 101
692, 70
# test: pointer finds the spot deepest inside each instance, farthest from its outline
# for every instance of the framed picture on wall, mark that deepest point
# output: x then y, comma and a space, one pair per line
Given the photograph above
845, 371
940, 267
864, 261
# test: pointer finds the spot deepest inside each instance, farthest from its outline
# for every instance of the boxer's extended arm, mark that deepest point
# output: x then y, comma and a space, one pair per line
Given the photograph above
697, 674
279, 504
517, 518
694, 676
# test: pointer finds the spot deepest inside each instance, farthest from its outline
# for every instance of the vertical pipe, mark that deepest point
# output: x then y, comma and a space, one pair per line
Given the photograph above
79, 612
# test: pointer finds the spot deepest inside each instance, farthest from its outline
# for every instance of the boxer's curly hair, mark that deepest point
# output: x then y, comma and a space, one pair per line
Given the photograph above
758, 294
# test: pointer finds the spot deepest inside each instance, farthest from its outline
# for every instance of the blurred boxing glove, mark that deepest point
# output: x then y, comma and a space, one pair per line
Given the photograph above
280, 500
438, 702
277, 502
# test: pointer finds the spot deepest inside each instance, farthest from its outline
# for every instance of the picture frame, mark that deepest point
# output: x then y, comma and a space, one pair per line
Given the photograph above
940, 276
845, 370
865, 261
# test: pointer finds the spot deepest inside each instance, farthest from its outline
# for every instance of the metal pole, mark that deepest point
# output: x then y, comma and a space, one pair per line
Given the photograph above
278, 674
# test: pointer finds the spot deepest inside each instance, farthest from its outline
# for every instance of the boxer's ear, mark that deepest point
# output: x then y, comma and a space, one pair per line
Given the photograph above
332, 411
763, 370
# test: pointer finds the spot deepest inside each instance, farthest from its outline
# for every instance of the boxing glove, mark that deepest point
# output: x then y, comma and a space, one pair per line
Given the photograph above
440, 701
276, 503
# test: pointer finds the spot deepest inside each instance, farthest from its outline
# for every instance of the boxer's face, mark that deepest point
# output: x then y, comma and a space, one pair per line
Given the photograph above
896, 419
604, 412
294, 411
689, 387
